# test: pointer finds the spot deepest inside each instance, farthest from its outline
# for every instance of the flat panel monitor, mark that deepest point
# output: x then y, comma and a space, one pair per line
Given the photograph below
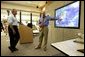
69, 15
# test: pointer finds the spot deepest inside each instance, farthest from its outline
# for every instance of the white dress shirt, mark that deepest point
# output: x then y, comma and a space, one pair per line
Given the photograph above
12, 20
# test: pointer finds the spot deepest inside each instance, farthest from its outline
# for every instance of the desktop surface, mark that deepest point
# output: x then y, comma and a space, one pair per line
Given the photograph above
69, 47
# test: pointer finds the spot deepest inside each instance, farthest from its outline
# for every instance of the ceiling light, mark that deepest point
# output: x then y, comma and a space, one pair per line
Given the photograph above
37, 7
43, 9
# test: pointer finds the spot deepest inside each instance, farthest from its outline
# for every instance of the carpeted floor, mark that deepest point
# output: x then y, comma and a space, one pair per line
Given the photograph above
27, 49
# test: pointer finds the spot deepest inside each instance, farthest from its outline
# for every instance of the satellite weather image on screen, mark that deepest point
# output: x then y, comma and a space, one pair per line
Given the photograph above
69, 15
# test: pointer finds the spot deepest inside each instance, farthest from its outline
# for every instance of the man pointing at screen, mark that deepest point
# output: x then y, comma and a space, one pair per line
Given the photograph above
43, 24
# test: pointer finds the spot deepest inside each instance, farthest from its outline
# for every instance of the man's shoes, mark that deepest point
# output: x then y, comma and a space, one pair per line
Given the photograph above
15, 49
37, 47
11, 49
45, 49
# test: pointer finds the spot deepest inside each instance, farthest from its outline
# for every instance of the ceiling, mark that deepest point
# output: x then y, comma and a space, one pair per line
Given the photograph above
28, 3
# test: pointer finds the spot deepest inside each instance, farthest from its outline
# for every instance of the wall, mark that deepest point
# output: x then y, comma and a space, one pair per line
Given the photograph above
61, 34
19, 7
55, 34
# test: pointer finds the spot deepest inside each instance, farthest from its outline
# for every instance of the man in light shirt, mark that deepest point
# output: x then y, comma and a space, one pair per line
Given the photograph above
13, 30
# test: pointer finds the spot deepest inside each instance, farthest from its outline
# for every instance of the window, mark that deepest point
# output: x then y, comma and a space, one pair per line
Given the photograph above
4, 14
25, 16
35, 18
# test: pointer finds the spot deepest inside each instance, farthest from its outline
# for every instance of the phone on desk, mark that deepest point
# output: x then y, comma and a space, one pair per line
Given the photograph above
80, 38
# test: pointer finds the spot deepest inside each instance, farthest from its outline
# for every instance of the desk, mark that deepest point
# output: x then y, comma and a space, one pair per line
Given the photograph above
26, 34
69, 47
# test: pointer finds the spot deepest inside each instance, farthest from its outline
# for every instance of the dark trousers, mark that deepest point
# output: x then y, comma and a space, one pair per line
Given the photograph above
14, 38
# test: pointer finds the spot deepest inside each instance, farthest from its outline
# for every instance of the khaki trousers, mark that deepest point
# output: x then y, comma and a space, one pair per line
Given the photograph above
43, 35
